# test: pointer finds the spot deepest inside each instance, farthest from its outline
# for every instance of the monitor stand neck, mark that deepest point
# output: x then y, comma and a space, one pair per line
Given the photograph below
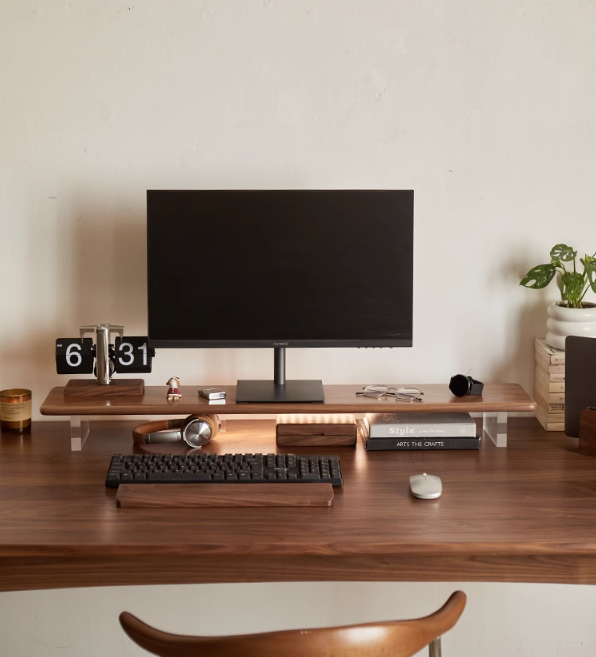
280, 390
279, 366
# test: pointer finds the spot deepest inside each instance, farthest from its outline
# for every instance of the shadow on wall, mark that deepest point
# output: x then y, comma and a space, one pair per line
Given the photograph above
526, 322
110, 269
517, 365
499, 347
83, 264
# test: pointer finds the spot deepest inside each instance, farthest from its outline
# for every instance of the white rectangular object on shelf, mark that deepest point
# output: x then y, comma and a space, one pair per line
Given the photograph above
420, 425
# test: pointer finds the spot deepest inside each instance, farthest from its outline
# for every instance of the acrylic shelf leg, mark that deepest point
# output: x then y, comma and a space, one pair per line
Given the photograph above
495, 427
79, 430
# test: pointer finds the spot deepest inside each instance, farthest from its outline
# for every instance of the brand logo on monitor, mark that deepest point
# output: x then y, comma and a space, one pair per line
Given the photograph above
281, 344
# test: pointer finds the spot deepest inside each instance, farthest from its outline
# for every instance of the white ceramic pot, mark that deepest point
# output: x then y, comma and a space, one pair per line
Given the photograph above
563, 321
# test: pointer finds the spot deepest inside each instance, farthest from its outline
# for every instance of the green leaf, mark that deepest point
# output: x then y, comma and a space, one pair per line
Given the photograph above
562, 252
590, 270
557, 263
572, 288
538, 277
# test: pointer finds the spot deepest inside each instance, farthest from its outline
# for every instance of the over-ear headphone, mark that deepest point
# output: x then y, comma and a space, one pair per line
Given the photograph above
195, 431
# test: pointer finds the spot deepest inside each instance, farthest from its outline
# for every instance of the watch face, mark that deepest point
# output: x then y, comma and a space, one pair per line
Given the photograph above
197, 433
459, 385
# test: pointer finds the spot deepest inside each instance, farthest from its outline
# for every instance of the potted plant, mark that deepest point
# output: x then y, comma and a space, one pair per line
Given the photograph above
572, 315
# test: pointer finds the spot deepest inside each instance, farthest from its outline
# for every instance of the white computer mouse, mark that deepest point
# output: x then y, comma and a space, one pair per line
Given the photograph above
425, 486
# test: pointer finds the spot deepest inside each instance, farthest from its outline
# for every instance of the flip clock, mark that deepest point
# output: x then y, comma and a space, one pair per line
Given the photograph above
101, 357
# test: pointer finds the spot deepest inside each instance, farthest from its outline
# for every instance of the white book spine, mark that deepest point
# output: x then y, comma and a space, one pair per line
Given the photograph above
554, 356
547, 406
422, 430
551, 397
546, 383
551, 421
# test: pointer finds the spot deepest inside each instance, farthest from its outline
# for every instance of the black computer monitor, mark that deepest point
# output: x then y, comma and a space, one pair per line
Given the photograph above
277, 269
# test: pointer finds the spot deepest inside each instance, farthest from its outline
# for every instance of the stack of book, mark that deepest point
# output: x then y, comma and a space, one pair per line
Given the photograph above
549, 386
407, 431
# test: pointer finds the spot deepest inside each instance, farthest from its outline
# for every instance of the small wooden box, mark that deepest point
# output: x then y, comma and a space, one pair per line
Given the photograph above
587, 432
316, 430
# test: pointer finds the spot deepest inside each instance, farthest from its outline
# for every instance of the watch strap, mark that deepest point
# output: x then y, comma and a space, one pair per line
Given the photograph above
476, 387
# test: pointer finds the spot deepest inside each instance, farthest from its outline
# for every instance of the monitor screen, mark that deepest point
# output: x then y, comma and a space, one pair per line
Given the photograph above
280, 268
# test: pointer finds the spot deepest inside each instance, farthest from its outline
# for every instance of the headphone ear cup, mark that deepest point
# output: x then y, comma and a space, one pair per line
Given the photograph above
214, 423
198, 430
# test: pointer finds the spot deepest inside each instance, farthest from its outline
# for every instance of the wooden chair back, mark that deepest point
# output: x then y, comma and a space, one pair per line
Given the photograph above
391, 638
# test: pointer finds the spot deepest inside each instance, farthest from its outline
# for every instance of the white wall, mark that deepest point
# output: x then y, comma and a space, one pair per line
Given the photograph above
486, 109
503, 620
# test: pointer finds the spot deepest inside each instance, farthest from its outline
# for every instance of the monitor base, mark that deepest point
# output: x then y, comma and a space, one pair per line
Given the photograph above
298, 391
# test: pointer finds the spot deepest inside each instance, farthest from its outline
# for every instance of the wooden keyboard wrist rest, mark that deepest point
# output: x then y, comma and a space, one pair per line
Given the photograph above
239, 495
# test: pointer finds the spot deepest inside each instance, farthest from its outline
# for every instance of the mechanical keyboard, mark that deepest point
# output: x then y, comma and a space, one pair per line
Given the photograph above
203, 468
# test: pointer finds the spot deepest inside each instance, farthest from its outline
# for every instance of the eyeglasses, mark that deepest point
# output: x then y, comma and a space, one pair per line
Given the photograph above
403, 394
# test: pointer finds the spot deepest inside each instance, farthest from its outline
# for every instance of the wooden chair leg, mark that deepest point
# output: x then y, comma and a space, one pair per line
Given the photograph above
434, 648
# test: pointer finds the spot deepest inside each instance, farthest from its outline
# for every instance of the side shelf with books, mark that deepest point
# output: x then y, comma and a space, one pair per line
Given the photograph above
549, 386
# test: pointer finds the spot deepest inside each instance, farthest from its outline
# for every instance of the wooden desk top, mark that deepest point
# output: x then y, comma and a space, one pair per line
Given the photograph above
524, 514
338, 399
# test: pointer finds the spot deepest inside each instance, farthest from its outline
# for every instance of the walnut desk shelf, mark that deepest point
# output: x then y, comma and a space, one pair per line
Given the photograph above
497, 400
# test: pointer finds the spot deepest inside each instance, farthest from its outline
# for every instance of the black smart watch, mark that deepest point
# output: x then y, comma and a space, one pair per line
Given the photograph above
461, 385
